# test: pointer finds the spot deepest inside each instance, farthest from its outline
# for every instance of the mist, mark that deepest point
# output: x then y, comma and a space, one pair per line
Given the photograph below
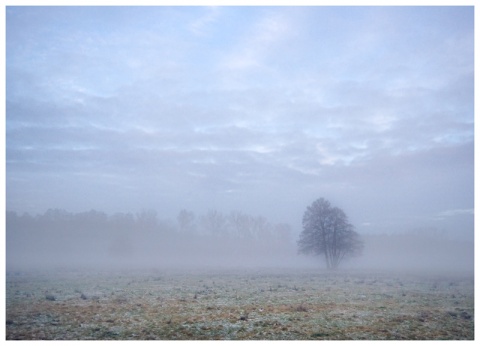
58, 239
256, 109
152, 140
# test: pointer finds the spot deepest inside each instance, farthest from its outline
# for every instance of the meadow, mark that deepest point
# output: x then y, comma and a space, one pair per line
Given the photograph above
238, 304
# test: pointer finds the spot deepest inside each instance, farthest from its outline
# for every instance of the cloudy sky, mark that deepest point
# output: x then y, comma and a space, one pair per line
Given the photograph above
257, 109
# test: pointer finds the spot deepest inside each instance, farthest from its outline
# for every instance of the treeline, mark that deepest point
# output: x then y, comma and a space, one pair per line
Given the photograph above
59, 219
214, 223
94, 237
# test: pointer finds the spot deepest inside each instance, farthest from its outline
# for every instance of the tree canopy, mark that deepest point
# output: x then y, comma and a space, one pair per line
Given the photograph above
327, 231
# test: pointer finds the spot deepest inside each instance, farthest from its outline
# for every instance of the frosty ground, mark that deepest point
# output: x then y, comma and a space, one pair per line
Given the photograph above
246, 304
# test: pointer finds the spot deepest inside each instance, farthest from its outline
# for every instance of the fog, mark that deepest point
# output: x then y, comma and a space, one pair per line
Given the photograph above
119, 118
58, 239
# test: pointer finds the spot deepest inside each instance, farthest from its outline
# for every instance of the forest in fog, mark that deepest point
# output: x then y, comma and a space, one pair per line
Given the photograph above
59, 238
95, 238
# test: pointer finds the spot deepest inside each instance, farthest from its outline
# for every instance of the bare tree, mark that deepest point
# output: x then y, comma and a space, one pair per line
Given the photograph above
215, 223
186, 220
240, 224
326, 231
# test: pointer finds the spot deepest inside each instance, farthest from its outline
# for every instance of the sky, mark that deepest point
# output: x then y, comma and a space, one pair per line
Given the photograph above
256, 109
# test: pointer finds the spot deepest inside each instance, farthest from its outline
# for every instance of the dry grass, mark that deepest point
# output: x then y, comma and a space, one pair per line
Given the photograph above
242, 304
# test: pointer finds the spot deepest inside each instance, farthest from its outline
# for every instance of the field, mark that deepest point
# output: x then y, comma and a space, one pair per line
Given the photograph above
245, 304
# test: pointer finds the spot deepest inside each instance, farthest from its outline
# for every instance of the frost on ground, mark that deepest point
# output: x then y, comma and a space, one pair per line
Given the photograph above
238, 304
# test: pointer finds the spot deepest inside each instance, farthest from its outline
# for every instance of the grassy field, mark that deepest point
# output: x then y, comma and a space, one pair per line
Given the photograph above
246, 304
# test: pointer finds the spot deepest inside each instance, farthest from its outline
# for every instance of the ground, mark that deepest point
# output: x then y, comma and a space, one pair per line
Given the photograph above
245, 304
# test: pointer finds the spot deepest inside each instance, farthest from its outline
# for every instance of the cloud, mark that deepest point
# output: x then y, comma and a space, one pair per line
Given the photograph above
201, 25
454, 212
252, 56
225, 106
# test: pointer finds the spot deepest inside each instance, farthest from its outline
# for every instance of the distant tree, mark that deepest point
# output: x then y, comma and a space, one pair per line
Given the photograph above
186, 220
147, 220
122, 221
326, 231
92, 220
240, 224
215, 223
261, 228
